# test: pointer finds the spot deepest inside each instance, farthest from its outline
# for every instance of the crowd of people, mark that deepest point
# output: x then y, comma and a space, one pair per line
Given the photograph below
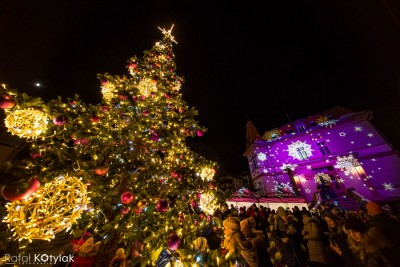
328, 236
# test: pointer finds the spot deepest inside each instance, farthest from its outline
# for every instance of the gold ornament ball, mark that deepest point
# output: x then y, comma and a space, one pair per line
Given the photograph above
50, 210
27, 123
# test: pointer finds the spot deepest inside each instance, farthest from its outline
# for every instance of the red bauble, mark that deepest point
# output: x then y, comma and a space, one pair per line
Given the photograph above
181, 217
201, 216
127, 197
6, 102
60, 120
14, 193
173, 241
36, 155
122, 97
94, 119
125, 211
102, 170
136, 210
209, 218
200, 133
162, 205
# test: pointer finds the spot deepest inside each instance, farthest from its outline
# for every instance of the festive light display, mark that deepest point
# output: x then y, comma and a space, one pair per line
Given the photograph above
272, 135
261, 156
51, 209
131, 153
324, 121
27, 123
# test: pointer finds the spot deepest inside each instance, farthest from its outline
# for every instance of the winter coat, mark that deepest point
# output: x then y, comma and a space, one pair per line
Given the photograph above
235, 243
315, 245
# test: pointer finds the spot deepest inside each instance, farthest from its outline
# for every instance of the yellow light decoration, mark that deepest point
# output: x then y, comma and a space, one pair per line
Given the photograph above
50, 210
271, 135
146, 86
208, 203
27, 123
108, 90
207, 173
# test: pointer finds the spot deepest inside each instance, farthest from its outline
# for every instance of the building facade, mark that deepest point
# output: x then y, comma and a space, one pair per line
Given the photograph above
329, 153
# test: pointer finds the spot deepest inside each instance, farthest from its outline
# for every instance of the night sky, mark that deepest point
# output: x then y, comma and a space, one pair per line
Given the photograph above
241, 61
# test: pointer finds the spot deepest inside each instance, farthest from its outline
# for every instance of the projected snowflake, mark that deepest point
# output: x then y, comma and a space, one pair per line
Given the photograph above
346, 164
388, 186
300, 150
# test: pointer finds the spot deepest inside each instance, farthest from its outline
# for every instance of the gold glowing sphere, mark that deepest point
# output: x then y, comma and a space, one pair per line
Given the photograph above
109, 92
208, 203
51, 209
147, 86
27, 123
207, 173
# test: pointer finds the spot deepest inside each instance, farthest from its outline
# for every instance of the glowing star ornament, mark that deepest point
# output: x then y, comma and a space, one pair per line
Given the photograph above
388, 186
261, 156
208, 203
51, 209
27, 123
300, 150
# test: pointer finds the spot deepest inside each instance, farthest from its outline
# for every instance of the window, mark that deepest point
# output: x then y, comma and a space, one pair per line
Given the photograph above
253, 162
323, 148
302, 153
301, 128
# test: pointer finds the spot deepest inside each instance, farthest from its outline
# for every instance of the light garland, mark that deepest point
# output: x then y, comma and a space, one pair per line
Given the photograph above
48, 211
27, 123
272, 135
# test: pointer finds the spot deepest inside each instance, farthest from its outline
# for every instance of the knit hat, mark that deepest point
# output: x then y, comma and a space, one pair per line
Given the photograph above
200, 244
355, 224
232, 223
281, 211
373, 207
246, 227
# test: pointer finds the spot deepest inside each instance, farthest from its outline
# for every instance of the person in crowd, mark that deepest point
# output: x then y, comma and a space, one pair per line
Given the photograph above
240, 250
312, 234
242, 213
119, 259
258, 240
338, 212
367, 247
384, 224
284, 235
202, 257
335, 228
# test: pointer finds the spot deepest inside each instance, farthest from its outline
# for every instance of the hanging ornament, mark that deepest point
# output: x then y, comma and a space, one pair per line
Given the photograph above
200, 133
137, 249
60, 120
94, 119
173, 241
181, 217
162, 205
125, 211
207, 173
26, 123
208, 203
102, 170
51, 209
146, 86
127, 197
15, 193
6, 102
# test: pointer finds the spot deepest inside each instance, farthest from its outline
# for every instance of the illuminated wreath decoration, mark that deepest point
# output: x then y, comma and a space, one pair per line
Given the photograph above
146, 86
272, 135
27, 123
51, 209
321, 178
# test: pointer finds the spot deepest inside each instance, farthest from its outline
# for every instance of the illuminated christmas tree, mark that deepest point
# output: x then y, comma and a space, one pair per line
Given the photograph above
120, 169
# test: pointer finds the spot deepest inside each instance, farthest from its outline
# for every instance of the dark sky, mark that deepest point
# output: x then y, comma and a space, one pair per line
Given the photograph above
246, 60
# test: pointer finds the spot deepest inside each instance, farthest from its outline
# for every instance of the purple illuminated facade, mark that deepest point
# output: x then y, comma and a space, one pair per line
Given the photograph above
339, 148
